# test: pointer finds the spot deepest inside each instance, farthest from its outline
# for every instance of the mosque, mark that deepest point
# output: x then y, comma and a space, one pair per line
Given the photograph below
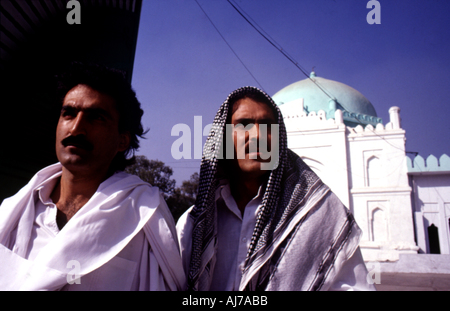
401, 205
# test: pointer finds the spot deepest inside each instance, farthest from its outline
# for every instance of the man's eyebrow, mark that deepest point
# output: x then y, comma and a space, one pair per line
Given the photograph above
91, 110
100, 111
250, 120
244, 120
66, 108
267, 120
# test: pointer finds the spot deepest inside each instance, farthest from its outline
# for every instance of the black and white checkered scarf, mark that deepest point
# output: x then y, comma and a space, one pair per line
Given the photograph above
286, 187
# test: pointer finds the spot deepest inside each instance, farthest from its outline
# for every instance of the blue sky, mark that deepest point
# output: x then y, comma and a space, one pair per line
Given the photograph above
183, 68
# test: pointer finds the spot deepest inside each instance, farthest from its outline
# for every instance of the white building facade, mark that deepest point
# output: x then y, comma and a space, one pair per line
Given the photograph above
430, 180
395, 201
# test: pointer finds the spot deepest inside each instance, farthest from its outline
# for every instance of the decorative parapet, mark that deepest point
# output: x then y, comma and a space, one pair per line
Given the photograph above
430, 165
361, 118
375, 123
296, 118
370, 129
320, 115
294, 112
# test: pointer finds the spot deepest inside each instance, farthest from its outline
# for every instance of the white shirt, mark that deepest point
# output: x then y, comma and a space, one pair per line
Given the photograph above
234, 236
45, 229
122, 239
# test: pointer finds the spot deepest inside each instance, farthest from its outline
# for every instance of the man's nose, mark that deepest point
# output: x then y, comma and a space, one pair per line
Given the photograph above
253, 133
259, 133
79, 125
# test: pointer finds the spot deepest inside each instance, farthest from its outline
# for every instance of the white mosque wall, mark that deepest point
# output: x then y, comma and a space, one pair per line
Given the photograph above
432, 208
380, 191
430, 179
366, 168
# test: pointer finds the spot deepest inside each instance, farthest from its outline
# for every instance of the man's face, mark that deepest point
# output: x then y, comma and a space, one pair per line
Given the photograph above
87, 135
248, 137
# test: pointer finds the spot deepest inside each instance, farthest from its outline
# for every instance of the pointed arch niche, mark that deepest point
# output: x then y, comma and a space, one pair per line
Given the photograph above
373, 168
378, 221
373, 172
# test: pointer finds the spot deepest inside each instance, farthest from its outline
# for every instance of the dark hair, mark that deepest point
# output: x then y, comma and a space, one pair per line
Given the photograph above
251, 93
111, 82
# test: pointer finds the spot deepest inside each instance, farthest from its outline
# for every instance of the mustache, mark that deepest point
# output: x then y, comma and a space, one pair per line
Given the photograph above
255, 146
251, 146
79, 141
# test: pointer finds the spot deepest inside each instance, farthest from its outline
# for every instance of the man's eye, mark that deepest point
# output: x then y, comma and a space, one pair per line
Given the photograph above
67, 113
246, 125
97, 117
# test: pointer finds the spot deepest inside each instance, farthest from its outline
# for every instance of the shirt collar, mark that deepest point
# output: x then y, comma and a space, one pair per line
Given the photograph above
224, 192
45, 189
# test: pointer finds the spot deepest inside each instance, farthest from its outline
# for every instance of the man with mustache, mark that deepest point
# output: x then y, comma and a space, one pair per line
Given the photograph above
263, 223
84, 224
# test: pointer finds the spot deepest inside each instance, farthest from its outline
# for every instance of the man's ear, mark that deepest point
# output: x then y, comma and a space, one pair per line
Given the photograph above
124, 141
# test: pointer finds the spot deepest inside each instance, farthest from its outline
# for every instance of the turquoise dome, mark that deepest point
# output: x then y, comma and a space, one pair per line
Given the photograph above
356, 108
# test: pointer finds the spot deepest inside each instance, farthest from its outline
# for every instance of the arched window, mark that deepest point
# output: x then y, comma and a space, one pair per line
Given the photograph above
374, 172
433, 239
379, 225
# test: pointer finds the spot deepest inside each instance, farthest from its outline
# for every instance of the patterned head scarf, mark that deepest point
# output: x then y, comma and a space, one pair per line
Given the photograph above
271, 216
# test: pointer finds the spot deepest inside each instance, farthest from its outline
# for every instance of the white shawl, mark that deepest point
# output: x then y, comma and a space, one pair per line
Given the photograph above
122, 206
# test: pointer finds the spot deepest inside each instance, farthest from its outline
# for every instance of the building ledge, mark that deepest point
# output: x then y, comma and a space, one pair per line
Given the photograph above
419, 264
378, 190
421, 272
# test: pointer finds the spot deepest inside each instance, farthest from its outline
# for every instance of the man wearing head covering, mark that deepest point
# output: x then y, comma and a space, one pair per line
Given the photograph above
84, 224
260, 222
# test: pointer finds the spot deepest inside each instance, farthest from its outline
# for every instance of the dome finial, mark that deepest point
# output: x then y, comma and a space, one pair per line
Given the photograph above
313, 73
